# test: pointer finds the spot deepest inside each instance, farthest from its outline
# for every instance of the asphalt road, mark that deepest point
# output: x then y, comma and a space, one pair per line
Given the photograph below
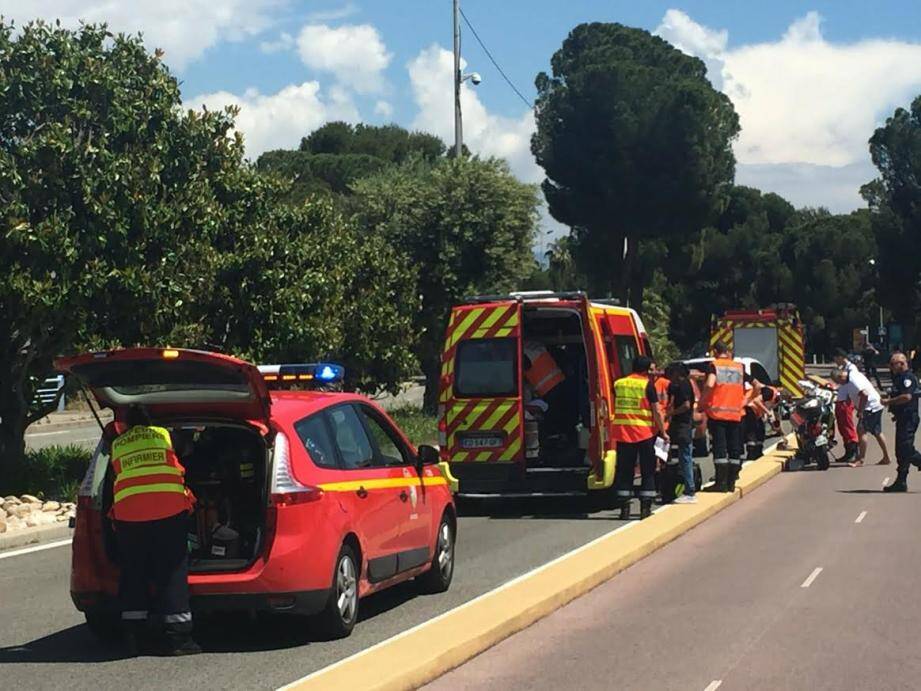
44, 644
811, 582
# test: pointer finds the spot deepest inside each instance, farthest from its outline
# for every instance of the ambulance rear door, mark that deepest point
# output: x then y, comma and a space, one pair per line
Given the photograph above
481, 399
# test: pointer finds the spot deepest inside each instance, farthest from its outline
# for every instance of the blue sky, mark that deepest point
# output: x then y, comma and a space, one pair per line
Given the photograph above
810, 80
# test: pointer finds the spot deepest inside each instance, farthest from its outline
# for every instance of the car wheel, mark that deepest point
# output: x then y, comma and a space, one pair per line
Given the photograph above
341, 610
105, 626
438, 578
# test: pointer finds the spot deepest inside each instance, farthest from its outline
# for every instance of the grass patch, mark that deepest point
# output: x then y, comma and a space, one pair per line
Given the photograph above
420, 427
54, 472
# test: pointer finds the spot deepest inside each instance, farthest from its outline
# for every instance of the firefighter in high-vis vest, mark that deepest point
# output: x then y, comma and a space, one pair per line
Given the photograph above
150, 509
724, 402
637, 420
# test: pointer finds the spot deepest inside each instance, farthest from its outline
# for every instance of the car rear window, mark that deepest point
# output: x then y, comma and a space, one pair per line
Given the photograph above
487, 367
137, 377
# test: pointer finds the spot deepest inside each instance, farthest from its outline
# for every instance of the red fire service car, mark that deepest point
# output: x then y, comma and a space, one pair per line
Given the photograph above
306, 500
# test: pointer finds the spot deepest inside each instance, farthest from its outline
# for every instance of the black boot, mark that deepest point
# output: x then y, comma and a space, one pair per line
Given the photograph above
732, 474
850, 452
178, 644
645, 508
624, 510
722, 478
900, 484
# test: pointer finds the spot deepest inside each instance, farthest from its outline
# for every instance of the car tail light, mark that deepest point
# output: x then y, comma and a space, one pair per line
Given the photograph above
286, 490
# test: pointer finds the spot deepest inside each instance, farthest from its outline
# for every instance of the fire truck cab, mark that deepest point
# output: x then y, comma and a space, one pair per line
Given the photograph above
495, 439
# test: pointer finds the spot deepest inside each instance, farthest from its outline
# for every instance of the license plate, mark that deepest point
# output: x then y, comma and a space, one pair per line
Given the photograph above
484, 442
821, 440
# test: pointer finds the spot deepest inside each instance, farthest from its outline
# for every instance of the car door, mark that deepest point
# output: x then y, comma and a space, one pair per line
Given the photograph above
370, 492
417, 531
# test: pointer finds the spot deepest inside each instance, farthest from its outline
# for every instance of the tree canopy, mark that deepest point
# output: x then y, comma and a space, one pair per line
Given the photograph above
467, 224
635, 144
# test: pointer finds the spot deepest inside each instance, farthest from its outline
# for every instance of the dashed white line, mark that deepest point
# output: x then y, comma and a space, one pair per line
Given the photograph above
38, 548
863, 514
714, 685
812, 577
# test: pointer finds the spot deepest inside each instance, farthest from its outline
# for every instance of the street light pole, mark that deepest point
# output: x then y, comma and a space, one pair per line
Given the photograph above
458, 123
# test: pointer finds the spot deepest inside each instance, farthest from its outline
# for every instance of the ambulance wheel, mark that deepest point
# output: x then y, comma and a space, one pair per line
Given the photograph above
341, 610
104, 625
438, 578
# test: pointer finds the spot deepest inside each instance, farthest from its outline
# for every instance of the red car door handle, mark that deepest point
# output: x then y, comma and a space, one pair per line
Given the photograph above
403, 495
361, 492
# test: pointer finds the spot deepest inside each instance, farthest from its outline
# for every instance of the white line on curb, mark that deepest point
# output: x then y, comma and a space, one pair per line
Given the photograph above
37, 548
812, 577
860, 518
714, 685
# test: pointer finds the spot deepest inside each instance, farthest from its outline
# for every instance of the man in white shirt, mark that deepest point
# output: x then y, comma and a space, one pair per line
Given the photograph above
853, 385
844, 413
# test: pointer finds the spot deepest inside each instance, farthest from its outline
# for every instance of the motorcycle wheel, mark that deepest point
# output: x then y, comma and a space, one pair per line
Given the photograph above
821, 459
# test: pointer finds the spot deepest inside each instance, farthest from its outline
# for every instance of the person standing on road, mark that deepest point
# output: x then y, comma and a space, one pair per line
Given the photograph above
759, 410
844, 412
869, 355
903, 404
681, 426
866, 401
724, 402
636, 421
150, 509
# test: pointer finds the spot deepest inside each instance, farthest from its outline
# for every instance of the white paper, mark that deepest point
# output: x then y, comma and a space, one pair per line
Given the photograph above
662, 448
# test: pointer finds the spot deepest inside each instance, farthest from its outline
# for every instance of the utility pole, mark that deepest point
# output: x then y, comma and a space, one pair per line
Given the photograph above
458, 78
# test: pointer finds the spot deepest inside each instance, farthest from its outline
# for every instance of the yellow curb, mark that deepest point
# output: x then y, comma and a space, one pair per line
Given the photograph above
427, 651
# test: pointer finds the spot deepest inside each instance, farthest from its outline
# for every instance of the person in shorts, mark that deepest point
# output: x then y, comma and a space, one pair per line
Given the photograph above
868, 403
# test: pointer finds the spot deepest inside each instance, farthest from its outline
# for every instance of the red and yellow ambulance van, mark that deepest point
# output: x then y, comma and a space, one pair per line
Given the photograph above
499, 436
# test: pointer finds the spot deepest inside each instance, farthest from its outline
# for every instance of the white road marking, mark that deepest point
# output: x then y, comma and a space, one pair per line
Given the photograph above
37, 548
47, 434
812, 577
714, 685
863, 514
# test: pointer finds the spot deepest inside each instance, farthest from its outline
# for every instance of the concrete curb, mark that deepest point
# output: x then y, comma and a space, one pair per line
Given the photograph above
35, 536
427, 651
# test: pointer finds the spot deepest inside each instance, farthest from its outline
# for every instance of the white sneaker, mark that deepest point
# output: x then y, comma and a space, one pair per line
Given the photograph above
686, 499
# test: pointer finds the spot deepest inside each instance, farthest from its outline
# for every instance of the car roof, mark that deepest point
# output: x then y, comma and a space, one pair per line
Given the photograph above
291, 406
746, 361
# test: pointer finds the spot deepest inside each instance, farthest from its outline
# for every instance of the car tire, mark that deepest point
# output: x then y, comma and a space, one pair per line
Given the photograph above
105, 626
341, 610
438, 578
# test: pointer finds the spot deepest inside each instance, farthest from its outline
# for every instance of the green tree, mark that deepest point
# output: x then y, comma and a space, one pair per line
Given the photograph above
467, 224
635, 144
111, 195
338, 154
895, 204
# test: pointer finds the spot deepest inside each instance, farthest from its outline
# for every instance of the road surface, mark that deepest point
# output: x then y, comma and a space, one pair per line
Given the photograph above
44, 644
809, 583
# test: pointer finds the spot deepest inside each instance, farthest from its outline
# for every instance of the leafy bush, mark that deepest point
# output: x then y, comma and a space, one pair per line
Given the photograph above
54, 472
420, 427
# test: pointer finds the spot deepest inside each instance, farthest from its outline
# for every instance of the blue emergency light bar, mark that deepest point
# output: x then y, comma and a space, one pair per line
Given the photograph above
316, 372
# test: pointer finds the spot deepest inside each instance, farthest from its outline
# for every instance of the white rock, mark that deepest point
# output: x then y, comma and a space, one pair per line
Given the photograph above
11, 499
60, 519
3, 513
31, 522
2, 526
22, 510
51, 506
30, 499
8, 506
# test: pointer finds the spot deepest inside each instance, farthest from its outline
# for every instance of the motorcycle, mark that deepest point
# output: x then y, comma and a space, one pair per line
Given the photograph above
813, 420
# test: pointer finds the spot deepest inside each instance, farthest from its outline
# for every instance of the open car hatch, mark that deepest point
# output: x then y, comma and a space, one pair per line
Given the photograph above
171, 381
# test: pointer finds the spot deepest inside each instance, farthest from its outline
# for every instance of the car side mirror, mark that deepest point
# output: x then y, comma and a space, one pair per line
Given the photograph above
426, 455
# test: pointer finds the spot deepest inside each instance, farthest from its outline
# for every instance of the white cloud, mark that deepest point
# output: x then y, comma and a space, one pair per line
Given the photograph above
343, 12
278, 121
354, 54
184, 29
383, 109
806, 105
284, 42
431, 74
